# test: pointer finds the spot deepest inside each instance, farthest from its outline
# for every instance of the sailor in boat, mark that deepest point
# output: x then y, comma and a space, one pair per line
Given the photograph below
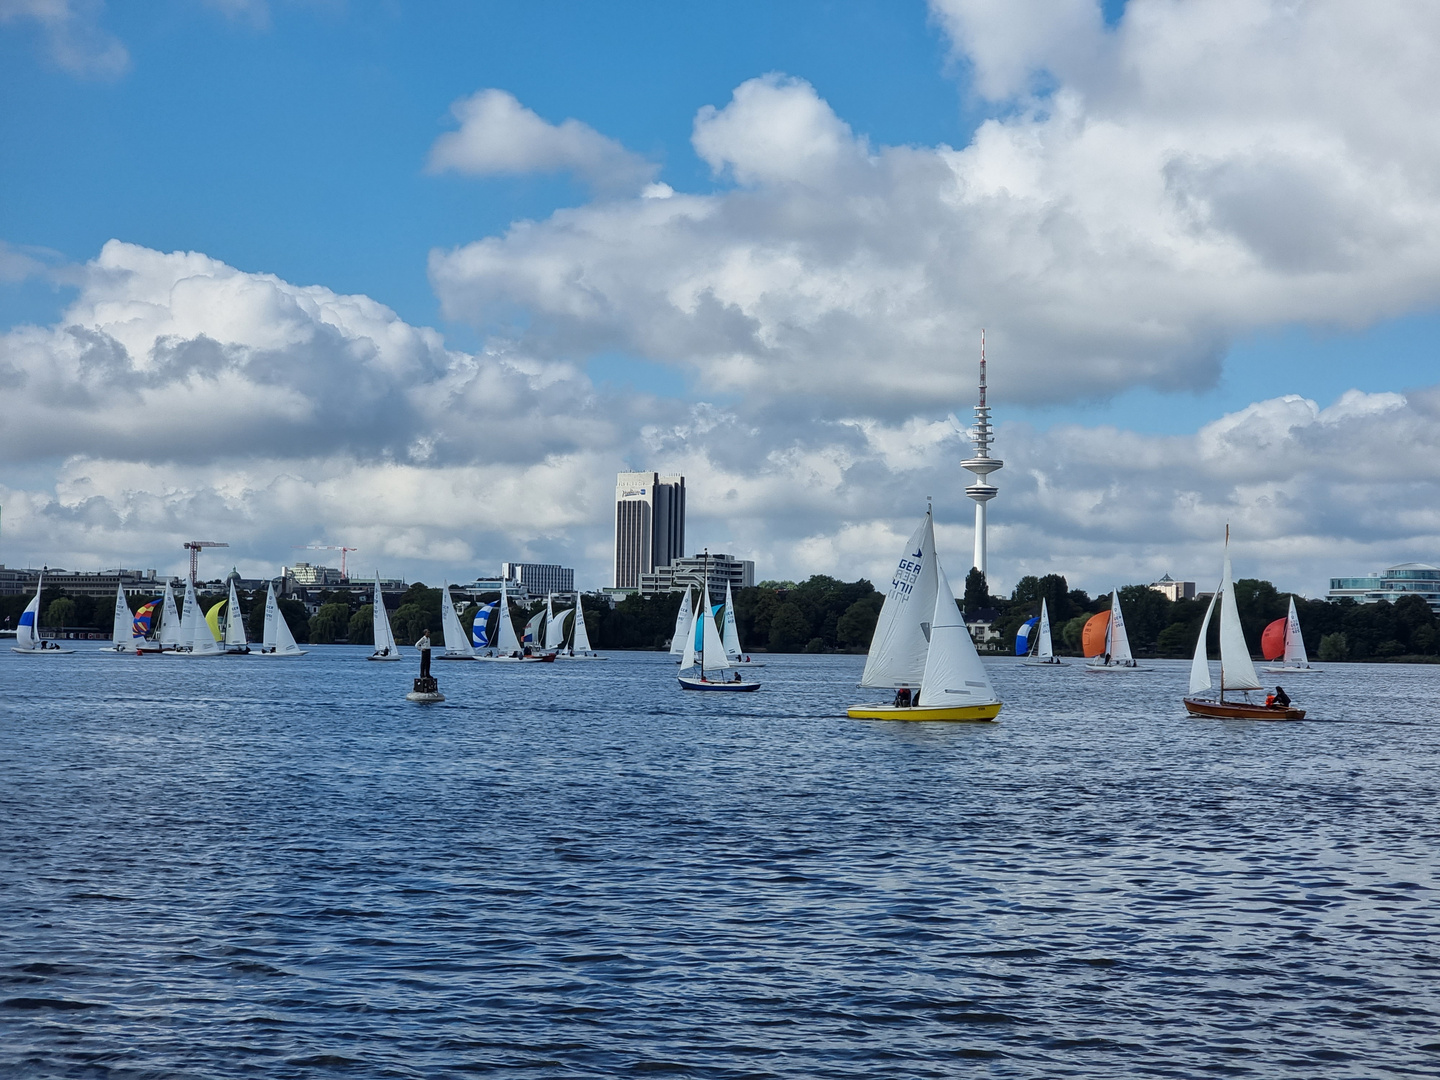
1278, 700
902, 698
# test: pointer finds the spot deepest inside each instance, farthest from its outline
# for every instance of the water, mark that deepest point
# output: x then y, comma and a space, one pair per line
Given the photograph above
255, 868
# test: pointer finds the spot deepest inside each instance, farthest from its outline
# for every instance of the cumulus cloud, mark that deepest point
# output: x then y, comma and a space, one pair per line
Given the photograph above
1144, 195
500, 137
73, 37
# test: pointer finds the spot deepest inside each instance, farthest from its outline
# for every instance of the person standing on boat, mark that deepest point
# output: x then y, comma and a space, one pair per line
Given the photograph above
424, 646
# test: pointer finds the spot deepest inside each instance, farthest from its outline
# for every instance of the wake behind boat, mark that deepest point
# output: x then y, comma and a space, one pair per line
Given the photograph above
1237, 672
922, 649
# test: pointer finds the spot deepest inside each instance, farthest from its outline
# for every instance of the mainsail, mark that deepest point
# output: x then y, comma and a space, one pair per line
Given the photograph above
27, 633
580, 643
1046, 648
902, 633
1117, 641
457, 642
170, 627
123, 632
953, 674
1295, 655
682, 626
505, 640
384, 636
731, 634
234, 623
554, 626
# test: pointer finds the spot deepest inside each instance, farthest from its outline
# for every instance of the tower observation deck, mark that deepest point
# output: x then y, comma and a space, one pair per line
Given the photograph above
982, 465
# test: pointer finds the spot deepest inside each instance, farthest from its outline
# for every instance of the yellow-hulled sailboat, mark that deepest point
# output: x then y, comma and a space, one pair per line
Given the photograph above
922, 648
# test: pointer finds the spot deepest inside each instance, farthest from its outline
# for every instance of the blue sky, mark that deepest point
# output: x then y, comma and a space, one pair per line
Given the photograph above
1155, 242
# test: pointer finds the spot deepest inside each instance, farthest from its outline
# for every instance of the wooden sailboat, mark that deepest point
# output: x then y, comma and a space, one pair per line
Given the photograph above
1104, 640
1036, 645
27, 634
1283, 641
922, 649
385, 647
1237, 672
279, 642
457, 642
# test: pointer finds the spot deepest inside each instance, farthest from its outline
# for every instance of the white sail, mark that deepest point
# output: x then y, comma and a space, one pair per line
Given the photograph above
554, 626
457, 641
682, 627
953, 674
234, 623
902, 634
713, 656
580, 642
122, 634
194, 630
1237, 672
384, 636
1119, 641
27, 633
1295, 655
284, 640
1046, 649
272, 616
170, 627
1200, 665
505, 640
532, 636
731, 634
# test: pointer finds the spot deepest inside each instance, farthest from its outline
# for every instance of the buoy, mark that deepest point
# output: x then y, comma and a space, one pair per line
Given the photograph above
426, 690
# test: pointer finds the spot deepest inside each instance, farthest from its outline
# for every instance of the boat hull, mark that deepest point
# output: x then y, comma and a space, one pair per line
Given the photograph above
281, 655
726, 687
881, 711
457, 656
385, 659
1112, 667
516, 659
1292, 670
40, 652
1231, 710
562, 656
1043, 663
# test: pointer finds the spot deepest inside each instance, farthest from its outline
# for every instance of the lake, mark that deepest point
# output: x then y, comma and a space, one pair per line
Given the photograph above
251, 868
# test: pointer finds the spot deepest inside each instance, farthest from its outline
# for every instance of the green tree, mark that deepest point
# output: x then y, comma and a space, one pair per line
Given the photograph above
977, 593
61, 612
1334, 647
332, 621
362, 626
788, 629
856, 627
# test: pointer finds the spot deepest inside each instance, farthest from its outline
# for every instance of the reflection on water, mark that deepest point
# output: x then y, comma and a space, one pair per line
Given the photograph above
238, 867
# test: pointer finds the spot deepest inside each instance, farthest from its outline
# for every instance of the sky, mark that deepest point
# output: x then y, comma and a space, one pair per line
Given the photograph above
419, 279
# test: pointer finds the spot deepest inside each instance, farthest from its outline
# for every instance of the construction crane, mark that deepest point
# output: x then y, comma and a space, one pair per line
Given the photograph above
194, 546
344, 572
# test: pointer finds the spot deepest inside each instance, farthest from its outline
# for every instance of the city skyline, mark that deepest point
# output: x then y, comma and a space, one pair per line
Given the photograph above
519, 252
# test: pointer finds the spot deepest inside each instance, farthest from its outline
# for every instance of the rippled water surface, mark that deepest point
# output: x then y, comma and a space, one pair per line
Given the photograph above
251, 868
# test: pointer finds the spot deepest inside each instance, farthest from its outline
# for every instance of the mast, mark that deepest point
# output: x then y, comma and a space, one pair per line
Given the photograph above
982, 465
705, 592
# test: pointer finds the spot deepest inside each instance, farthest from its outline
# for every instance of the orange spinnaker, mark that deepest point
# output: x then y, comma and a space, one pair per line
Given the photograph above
1272, 641
1092, 638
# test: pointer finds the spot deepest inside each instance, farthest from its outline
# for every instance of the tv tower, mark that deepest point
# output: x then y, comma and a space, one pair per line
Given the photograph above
982, 465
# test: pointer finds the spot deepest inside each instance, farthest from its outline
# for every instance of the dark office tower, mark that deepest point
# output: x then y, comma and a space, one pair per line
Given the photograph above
649, 524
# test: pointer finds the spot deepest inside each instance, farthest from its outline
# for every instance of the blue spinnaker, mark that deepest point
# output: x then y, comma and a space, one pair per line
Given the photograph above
1022, 638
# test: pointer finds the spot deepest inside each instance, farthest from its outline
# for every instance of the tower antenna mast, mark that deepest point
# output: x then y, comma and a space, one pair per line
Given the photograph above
982, 465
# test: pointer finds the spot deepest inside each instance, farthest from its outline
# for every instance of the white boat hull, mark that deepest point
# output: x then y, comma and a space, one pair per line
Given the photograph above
1044, 663
281, 655
40, 652
1292, 670
1101, 668
386, 659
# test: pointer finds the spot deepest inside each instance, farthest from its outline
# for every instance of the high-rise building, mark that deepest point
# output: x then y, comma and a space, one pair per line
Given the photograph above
540, 579
649, 524
982, 465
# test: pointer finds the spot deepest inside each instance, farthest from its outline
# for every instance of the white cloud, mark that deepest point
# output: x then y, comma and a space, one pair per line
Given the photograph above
74, 39
500, 137
1145, 195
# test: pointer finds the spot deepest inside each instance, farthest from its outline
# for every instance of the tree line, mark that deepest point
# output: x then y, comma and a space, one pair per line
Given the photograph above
1160, 627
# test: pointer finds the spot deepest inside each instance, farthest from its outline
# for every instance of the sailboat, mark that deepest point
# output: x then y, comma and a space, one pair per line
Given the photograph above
168, 636
922, 648
1104, 640
554, 627
27, 634
684, 627
1283, 641
1237, 672
705, 648
385, 647
122, 634
196, 638
279, 642
233, 633
457, 641
507, 648
730, 635
1034, 641
579, 638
